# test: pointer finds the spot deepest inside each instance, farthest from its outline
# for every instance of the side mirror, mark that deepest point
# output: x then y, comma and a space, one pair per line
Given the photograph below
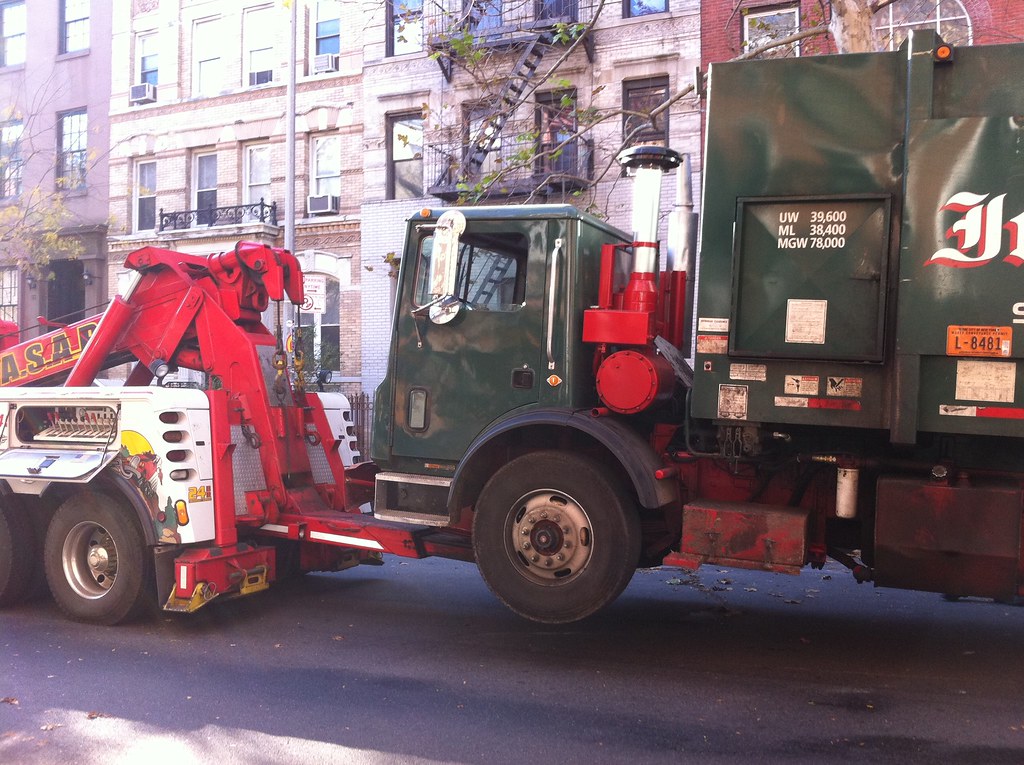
444, 266
445, 309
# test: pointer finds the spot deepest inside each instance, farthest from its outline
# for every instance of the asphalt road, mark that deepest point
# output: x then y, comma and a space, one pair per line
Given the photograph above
416, 663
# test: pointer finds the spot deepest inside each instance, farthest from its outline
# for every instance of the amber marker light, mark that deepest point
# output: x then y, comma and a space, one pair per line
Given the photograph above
944, 53
182, 510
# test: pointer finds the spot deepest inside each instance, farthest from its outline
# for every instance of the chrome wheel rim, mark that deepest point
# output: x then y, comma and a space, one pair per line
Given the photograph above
549, 537
89, 556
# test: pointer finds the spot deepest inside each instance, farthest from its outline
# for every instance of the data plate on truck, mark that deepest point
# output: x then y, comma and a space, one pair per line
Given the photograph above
979, 341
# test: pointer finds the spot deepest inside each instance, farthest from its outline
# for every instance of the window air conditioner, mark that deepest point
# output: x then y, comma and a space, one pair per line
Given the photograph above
261, 78
143, 93
322, 205
325, 62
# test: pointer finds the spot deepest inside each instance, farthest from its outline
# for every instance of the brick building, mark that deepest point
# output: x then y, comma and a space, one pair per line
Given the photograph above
728, 27
198, 133
54, 95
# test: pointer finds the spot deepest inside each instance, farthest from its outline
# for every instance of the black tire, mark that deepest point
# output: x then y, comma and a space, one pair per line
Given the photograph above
20, 562
555, 536
96, 559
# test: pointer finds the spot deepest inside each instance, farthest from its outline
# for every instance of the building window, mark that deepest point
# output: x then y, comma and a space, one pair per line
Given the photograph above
405, 156
634, 8
205, 189
257, 177
558, 148
405, 22
74, 25
9, 294
763, 28
327, 166
260, 27
483, 14
12, 34
10, 159
146, 58
949, 18
72, 146
328, 27
145, 196
207, 67
639, 98
552, 10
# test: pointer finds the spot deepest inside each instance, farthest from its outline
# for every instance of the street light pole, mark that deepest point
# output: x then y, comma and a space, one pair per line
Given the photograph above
289, 120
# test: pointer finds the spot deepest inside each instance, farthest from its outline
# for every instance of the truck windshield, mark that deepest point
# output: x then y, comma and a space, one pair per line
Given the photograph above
491, 270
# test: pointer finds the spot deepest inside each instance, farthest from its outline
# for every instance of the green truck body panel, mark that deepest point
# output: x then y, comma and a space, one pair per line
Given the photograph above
860, 262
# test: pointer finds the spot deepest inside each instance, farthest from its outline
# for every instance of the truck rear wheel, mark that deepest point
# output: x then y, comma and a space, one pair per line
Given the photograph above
555, 536
96, 561
19, 556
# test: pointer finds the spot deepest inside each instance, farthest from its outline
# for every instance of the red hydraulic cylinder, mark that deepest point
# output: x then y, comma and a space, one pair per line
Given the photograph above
101, 343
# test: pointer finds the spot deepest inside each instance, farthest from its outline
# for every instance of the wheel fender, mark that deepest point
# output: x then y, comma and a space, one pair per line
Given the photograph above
112, 482
634, 453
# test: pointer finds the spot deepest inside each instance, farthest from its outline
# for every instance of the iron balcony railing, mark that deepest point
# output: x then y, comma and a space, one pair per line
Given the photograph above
257, 212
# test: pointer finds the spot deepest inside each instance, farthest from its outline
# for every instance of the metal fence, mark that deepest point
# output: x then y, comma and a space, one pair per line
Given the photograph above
362, 419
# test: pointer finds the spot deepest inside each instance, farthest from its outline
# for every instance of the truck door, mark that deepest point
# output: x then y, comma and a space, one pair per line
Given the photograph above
471, 352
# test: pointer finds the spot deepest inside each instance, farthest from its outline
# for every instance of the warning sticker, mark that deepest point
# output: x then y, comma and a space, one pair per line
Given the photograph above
818, 403
712, 324
978, 341
732, 402
985, 380
803, 385
850, 387
712, 343
792, 401
755, 372
805, 321
985, 412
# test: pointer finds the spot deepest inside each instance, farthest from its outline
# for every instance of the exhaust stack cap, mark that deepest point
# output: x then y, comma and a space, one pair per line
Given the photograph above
659, 157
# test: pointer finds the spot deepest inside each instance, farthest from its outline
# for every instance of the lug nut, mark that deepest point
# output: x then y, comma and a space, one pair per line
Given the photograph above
526, 545
548, 562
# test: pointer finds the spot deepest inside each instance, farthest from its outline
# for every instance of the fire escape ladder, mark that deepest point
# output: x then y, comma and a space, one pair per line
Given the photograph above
512, 94
492, 280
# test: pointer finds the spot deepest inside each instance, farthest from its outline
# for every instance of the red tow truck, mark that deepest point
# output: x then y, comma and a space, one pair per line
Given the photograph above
123, 495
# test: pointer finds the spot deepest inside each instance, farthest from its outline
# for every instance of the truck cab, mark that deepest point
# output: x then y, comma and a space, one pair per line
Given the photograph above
490, 303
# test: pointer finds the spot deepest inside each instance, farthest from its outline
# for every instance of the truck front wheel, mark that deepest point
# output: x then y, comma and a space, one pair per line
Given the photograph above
95, 557
555, 536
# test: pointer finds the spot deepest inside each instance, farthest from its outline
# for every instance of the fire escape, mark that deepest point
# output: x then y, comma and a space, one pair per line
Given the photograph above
490, 140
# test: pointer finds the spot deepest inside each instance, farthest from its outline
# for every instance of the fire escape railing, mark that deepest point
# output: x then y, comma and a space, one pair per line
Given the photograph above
518, 162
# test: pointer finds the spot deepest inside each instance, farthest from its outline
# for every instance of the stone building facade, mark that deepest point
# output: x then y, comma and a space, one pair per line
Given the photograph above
394, 113
198, 131
54, 97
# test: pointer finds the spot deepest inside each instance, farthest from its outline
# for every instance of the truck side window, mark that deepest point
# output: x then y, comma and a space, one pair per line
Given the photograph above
492, 270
